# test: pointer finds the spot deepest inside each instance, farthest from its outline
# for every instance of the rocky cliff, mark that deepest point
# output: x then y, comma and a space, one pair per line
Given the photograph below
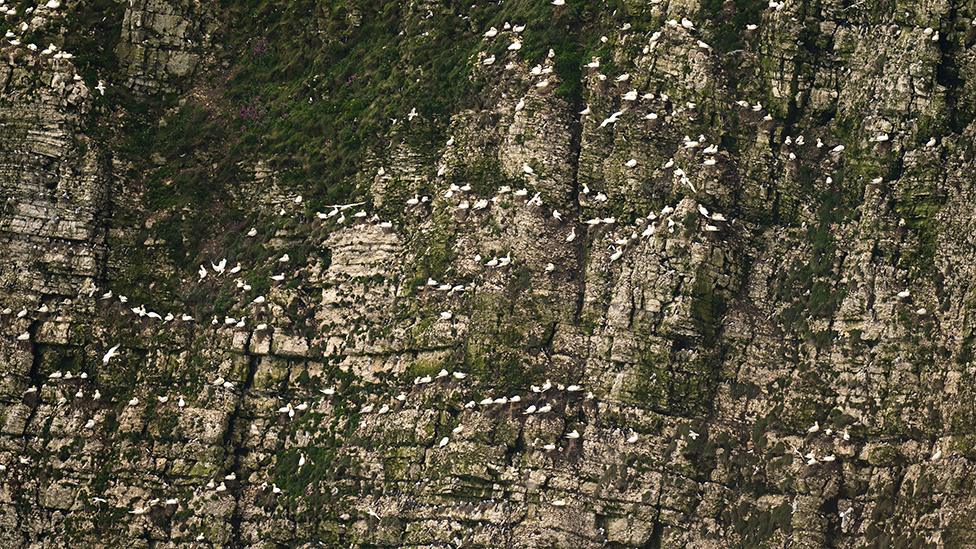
605, 273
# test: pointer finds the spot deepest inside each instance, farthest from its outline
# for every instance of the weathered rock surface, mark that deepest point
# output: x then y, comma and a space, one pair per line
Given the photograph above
748, 292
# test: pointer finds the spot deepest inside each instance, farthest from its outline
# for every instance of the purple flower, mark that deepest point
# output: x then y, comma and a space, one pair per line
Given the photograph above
259, 47
250, 113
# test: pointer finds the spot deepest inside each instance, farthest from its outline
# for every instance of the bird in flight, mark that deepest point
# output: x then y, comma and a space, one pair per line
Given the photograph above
110, 354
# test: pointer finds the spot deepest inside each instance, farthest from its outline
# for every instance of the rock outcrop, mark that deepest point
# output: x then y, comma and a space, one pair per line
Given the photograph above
663, 275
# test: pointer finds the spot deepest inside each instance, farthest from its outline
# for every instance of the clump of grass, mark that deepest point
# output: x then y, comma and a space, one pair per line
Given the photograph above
314, 90
728, 20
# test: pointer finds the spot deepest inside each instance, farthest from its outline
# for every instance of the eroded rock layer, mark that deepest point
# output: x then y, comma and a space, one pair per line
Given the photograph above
641, 274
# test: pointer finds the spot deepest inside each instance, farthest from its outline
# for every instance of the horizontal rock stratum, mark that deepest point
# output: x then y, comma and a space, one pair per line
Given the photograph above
524, 273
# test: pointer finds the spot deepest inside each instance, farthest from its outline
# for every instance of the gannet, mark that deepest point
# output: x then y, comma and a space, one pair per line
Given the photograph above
112, 352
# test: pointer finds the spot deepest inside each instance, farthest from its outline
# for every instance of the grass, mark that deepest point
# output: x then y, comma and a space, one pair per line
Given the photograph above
707, 309
728, 20
313, 89
93, 28
811, 286
505, 330
325, 82
919, 207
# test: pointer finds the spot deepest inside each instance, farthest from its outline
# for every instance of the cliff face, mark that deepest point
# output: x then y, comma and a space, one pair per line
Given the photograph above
663, 275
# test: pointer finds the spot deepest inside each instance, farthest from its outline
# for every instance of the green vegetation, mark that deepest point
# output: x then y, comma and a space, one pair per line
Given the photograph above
317, 86
184, 185
811, 286
707, 309
505, 332
919, 205
728, 20
93, 29
757, 525
313, 89
675, 384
